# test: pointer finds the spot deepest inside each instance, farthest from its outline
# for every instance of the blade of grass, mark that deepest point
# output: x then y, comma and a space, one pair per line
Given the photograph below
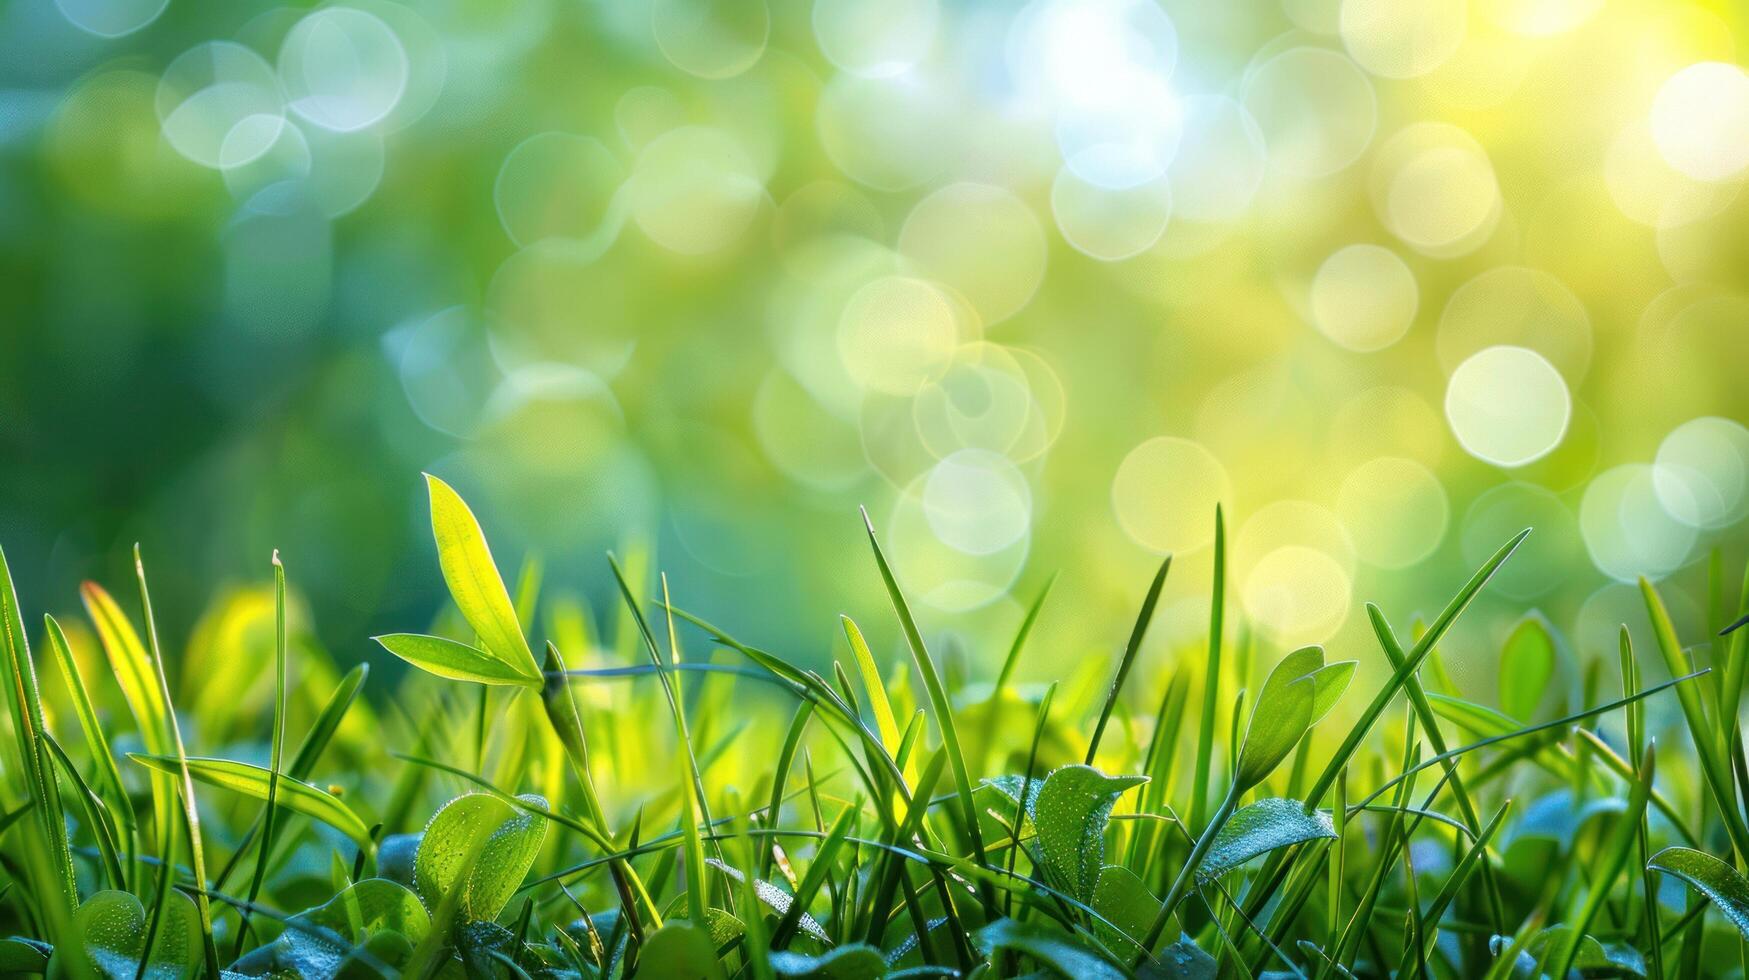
103, 828
191, 813
54, 887
943, 709
109, 785
1211, 683
1131, 649
274, 752
1708, 746
1430, 731
1411, 663
1614, 856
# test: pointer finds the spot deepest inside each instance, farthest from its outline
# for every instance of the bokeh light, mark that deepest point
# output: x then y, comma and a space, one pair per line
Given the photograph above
1507, 405
1040, 284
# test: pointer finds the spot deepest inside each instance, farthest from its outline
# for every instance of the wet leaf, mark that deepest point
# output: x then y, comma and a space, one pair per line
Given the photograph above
1070, 813
481, 845
1262, 827
1722, 884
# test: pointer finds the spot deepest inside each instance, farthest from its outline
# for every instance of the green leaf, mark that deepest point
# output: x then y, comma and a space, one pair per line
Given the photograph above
474, 582
1262, 827
1123, 900
379, 915
1054, 949
456, 661
1527, 662
680, 951
107, 938
1722, 884
20, 956
885, 723
1331, 681
253, 781
477, 849
1070, 813
1286, 706
855, 961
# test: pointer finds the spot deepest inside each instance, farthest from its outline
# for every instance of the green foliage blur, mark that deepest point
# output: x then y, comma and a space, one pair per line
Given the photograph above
1037, 284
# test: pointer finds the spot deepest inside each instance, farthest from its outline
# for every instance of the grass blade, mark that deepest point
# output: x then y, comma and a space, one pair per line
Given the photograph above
1211, 682
50, 860
1133, 647
943, 709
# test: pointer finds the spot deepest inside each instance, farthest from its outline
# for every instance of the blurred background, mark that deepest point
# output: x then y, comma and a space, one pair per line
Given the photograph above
1037, 283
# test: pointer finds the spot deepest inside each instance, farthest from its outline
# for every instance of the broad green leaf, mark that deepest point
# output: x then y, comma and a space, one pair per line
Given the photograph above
294, 794
456, 661
474, 582
1286, 707
107, 939
1056, 950
1262, 827
1527, 661
379, 915
1722, 884
681, 952
480, 848
1123, 900
775, 899
1070, 813
855, 961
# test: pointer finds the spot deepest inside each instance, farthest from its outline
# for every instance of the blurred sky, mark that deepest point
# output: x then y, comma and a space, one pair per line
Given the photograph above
1038, 283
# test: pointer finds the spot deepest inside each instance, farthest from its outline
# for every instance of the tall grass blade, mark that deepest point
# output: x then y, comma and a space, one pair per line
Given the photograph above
943, 708
50, 859
1211, 680
1128, 660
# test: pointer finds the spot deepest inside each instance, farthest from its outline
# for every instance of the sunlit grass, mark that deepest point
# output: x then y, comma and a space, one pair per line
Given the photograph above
670, 800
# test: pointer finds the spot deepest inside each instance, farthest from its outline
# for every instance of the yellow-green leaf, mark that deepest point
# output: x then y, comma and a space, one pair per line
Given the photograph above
474, 582
456, 661
294, 794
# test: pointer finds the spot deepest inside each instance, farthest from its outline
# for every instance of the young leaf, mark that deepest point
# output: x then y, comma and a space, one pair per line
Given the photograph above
1331, 681
1527, 661
1722, 884
681, 951
474, 582
502, 842
456, 661
255, 781
1123, 900
1277, 724
1262, 827
1070, 813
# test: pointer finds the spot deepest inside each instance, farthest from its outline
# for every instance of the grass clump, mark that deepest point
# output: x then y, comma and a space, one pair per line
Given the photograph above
696, 806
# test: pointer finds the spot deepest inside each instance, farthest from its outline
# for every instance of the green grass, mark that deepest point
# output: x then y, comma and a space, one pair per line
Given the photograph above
669, 800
